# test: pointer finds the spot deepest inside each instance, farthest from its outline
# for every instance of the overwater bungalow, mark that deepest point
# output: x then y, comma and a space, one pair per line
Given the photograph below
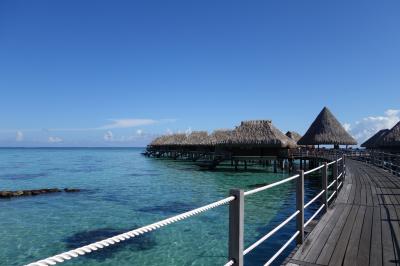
390, 142
257, 138
327, 130
166, 145
373, 142
293, 135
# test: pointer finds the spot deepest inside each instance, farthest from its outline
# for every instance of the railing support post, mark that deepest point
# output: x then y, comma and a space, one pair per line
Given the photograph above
335, 176
300, 206
325, 185
236, 225
344, 167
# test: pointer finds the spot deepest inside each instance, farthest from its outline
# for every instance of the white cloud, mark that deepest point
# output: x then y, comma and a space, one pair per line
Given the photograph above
55, 139
108, 136
19, 136
139, 132
188, 131
128, 123
366, 127
169, 131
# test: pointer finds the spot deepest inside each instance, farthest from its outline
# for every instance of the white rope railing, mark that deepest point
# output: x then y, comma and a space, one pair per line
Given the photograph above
230, 263
125, 236
314, 169
331, 197
331, 184
331, 163
258, 242
282, 249
314, 215
250, 192
314, 199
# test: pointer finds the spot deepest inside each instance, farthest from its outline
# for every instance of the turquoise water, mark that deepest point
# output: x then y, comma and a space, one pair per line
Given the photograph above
123, 190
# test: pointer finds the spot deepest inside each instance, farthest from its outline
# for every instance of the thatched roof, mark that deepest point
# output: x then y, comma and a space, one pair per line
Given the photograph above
196, 138
159, 141
373, 141
169, 140
175, 139
293, 135
219, 136
326, 129
391, 138
259, 133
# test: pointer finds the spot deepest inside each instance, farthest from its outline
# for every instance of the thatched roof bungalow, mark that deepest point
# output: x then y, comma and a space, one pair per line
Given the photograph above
219, 136
159, 141
373, 142
175, 139
391, 140
293, 135
326, 129
196, 138
257, 138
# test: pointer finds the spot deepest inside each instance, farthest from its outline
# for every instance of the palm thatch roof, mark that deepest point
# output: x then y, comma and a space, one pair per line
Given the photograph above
175, 139
326, 129
293, 135
391, 138
159, 141
373, 141
219, 136
259, 133
196, 138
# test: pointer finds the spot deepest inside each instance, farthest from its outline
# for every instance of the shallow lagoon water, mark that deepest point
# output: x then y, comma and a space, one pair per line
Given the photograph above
123, 190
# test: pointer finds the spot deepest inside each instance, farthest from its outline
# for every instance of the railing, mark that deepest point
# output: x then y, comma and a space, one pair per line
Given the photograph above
236, 218
388, 161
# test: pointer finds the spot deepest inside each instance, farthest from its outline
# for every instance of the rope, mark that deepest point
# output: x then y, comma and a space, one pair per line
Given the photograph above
282, 249
125, 236
314, 199
230, 263
333, 194
249, 192
331, 184
314, 169
314, 215
258, 242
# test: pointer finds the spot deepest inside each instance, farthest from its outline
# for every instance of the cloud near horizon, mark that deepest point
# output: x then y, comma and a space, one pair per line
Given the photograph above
108, 136
55, 139
363, 129
128, 123
19, 136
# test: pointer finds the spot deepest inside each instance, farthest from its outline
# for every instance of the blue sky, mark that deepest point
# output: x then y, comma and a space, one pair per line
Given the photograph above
117, 73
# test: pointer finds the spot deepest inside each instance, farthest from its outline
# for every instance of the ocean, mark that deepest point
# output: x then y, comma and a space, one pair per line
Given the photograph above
122, 190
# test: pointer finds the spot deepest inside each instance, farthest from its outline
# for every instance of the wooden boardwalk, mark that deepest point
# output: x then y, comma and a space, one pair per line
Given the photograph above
362, 227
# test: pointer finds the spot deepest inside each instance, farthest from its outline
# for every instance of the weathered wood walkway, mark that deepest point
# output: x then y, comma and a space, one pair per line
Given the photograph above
363, 225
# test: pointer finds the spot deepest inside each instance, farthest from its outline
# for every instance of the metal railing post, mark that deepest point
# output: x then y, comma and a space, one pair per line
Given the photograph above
236, 225
335, 176
344, 167
300, 206
324, 183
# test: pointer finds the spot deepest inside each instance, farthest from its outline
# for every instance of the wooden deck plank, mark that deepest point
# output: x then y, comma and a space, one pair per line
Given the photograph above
350, 257
329, 247
388, 249
363, 228
375, 256
320, 242
341, 244
365, 240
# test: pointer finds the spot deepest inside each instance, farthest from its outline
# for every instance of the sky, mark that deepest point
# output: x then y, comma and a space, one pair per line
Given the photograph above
119, 73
